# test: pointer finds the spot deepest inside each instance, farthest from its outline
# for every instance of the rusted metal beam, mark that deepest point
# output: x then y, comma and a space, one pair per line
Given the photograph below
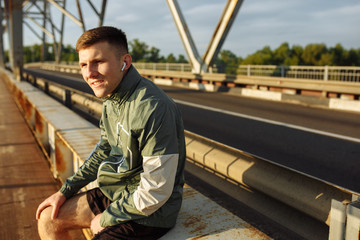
102, 12
64, 11
201, 65
14, 8
190, 48
2, 64
222, 29
80, 14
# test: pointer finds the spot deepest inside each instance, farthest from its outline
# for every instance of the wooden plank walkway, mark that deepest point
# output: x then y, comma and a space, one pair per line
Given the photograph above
25, 178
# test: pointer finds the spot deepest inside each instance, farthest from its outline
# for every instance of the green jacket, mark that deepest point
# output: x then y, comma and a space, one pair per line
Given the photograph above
139, 160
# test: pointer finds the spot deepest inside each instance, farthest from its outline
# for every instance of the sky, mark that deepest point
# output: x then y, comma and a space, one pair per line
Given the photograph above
259, 23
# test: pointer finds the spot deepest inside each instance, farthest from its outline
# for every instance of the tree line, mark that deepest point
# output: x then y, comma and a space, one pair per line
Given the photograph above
316, 54
139, 51
311, 55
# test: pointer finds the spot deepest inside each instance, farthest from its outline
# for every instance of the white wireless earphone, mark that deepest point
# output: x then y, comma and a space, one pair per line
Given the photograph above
122, 69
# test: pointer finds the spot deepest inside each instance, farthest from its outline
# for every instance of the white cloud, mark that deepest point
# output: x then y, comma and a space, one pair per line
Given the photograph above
126, 18
258, 23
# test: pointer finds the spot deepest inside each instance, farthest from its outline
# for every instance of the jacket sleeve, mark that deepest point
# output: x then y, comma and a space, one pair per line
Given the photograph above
158, 145
88, 171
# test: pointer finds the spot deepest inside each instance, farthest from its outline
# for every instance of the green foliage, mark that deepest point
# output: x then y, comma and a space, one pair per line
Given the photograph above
282, 53
181, 59
69, 54
34, 53
141, 52
31, 54
295, 56
154, 55
171, 58
260, 57
227, 62
312, 55
138, 50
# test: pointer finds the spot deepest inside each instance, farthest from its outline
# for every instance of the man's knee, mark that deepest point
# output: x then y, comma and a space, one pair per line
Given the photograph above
45, 215
51, 228
46, 223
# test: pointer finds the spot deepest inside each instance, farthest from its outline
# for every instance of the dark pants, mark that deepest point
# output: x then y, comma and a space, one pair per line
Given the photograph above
130, 230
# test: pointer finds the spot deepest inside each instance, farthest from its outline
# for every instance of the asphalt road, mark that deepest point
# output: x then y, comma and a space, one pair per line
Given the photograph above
319, 142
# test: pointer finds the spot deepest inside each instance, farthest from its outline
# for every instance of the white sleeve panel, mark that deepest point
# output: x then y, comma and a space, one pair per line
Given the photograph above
156, 183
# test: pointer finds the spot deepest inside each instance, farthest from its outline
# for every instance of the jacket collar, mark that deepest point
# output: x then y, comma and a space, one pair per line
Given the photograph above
126, 86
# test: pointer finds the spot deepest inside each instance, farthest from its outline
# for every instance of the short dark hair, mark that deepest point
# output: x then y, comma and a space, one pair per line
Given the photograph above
112, 35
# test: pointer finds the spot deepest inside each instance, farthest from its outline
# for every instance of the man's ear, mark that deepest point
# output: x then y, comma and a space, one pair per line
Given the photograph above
127, 61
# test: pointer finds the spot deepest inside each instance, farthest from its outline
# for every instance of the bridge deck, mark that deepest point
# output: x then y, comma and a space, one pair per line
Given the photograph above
25, 178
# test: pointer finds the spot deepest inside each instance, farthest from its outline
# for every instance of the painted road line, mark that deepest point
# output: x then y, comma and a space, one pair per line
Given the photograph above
311, 130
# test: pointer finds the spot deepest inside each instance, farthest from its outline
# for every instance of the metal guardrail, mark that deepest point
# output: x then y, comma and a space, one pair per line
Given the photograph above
305, 193
325, 73
71, 98
232, 83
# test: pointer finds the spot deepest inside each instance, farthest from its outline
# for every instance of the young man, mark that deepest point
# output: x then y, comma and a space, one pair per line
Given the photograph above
139, 161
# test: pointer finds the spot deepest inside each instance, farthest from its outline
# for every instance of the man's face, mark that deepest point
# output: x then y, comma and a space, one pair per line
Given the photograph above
101, 68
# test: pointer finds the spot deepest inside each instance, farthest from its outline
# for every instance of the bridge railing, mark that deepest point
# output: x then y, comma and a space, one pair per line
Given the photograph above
331, 94
326, 73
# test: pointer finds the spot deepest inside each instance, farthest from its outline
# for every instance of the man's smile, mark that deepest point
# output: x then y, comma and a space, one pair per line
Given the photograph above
96, 83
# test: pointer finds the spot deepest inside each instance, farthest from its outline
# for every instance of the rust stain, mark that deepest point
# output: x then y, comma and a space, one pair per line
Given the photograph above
253, 232
201, 227
38, 122
198, 237
28, 109
59, 157
20, 97
195, 223
91, 136
189, 192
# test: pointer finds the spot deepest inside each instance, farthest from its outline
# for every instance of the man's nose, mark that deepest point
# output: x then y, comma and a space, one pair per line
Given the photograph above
91, 70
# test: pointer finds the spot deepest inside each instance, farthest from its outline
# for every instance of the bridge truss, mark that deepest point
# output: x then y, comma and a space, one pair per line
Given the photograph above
36, 14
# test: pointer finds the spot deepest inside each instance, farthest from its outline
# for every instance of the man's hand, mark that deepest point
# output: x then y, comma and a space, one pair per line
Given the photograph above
56, 201
95, 224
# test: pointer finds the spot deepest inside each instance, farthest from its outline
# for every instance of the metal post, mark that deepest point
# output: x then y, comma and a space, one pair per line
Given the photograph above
282, 71
2, 64
326, 73
353, 221
337, 220
44, 49
67, 98
59, 48
16, 36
